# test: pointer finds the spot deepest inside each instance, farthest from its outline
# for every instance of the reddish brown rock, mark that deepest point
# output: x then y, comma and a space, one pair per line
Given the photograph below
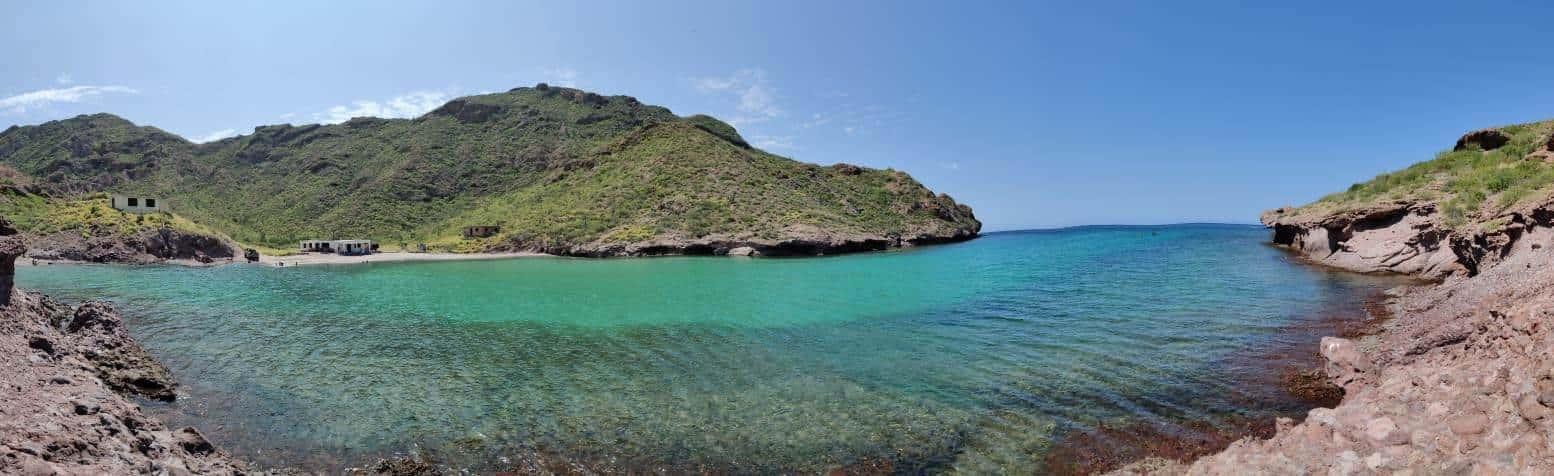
1486, 139
64, 398
1470, 424
1459, 381
1346, 366
12, 246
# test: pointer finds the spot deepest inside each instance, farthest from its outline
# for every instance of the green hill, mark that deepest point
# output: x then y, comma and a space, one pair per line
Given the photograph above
559, 170
1484, 175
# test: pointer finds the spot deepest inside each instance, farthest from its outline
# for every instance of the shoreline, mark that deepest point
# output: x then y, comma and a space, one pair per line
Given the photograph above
817, 249
315, 259
1279, 380
1465, 350
307, 259
1187, 438
1457, 378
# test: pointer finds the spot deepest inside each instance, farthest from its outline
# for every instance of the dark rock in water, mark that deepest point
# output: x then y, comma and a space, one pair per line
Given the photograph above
121, 364
1313, 386
192, 441
252, 255
405, 466
1486, 139
97, 314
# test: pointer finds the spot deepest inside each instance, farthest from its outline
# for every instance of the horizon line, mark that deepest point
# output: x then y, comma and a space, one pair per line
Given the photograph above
1120, 225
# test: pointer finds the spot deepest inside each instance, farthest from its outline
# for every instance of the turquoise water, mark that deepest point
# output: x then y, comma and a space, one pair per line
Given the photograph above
975, 356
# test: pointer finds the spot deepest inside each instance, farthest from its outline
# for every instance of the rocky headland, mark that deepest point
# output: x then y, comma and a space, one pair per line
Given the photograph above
143, 247
540, 169
1460, 380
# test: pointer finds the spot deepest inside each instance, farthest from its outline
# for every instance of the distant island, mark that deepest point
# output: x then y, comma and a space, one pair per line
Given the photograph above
535, 169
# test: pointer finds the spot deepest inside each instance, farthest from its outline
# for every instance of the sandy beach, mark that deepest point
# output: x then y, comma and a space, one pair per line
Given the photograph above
308, 259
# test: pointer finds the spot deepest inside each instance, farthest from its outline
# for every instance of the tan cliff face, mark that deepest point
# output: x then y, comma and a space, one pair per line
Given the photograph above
1399, 237
1409, 238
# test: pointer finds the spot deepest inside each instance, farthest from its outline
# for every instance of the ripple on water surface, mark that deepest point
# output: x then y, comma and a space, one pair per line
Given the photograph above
969, 356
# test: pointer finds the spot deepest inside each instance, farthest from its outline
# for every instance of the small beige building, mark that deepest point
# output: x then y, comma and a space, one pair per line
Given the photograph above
126, 203
481, 231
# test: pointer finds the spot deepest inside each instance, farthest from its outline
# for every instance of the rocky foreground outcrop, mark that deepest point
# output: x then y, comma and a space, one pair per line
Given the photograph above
68, 378
1460, 381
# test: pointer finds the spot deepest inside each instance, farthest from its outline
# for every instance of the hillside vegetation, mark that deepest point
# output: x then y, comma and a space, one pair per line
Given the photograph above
560, 170
89, 216
1485, 174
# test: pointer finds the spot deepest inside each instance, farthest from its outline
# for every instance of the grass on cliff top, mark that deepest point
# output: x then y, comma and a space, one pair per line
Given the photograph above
89, 216
678, 180
1471, 185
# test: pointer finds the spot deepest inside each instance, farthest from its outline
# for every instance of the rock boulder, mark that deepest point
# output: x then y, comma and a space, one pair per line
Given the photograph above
1486, 139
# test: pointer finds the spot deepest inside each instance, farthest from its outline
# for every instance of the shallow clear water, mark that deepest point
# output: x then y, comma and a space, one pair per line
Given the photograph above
972, 356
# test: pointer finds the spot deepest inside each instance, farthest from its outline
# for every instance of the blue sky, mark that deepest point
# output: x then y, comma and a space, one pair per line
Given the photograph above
1037, 114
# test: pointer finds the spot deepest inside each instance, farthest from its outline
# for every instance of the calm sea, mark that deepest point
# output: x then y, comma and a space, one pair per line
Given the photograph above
977, 356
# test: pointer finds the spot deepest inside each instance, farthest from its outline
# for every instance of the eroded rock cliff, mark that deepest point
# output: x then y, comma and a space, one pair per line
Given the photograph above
1461, 379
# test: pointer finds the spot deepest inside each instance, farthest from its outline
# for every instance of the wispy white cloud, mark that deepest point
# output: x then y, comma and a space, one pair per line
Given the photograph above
816, 120
20, 103
714, 84
853, 119
757, 99
952, 165
773, 142
64, 78
565, 77
288, 116
214, 136
403, 106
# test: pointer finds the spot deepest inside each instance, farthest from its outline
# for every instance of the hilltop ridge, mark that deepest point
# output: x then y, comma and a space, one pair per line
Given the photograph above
559, 170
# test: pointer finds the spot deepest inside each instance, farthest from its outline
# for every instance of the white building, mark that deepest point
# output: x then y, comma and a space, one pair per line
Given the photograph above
344, 247
130, 204
353, 247
316, 245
